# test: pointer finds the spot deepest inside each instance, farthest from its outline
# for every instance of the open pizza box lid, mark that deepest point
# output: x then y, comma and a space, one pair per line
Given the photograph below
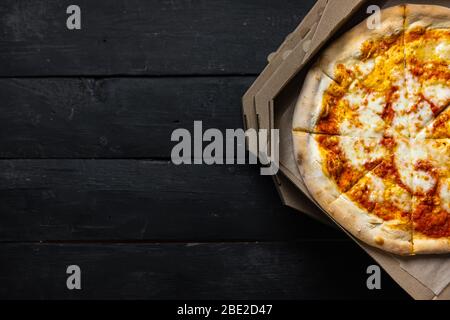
270, 102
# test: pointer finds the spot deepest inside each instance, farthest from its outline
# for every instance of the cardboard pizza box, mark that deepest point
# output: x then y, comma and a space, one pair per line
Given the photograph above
270, 102
302, 35
303, 32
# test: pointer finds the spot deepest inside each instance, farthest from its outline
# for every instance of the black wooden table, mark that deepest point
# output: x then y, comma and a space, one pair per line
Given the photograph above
85, 173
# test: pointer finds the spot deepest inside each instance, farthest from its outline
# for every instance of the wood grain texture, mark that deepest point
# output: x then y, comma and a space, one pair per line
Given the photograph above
138, 199
191, 271
112, 117
85, 124
142, 37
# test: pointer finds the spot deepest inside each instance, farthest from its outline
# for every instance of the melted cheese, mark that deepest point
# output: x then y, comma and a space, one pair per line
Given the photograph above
403, 160
423, 182
407, 155
367, 124
412, 85
399, 197
355, 99
377, 189
437, 93
400, 103
404, 100
361, 151
400, 125
419, 119
367, 67
376, 103
442, 50
366, 110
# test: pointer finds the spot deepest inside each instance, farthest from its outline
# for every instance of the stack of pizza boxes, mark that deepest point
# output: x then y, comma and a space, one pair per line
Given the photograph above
269, 104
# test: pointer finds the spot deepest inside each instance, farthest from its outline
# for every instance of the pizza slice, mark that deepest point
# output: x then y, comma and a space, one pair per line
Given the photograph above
326, 107
427, 52
354, 88
367, 51
430, 161
377, 209
330, 165
320, 99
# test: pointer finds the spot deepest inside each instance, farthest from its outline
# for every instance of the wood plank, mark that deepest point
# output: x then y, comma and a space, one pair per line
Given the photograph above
112, 117
142, 37
191, 271
139, 199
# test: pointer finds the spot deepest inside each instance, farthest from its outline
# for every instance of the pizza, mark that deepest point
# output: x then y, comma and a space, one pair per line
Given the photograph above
371, 131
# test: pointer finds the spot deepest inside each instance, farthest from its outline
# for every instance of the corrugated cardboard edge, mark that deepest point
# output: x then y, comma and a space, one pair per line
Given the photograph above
298, 200
303, 32
289, 194
275, 59
336, 13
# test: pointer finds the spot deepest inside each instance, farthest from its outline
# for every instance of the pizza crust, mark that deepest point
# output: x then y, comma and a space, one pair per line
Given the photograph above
390, 236
309, 105
427, 16
424, 245
310, 163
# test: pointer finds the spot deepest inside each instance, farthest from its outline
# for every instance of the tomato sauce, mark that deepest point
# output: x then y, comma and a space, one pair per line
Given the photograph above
428, 216
430, 219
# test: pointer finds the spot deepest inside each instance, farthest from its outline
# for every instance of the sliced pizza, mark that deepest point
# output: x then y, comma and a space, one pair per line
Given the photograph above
377, 209
326, 107
366, 52
320, 99
427, 52
430, 161
331, 164
372, 131
356, 88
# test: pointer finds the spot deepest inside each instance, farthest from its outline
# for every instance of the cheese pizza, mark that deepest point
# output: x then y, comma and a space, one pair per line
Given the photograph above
371, 131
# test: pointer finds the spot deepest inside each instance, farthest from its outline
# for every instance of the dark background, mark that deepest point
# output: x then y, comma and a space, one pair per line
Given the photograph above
85, 172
